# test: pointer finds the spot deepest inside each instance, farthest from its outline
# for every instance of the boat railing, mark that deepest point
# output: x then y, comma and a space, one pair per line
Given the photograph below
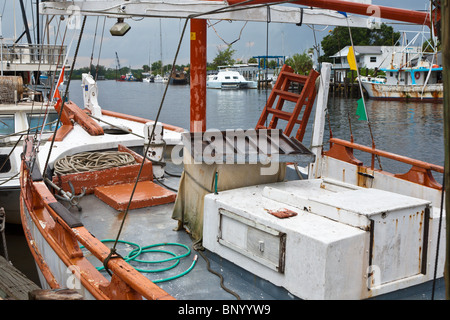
33, 54
421, 172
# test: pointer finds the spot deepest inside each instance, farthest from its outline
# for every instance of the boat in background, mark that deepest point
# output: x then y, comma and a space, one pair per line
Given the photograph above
148, 77
411, 75
420, 82
178, 77
227, 79
127, 78
158, 78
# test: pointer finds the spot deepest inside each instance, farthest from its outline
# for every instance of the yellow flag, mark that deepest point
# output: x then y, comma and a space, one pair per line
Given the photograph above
351, 58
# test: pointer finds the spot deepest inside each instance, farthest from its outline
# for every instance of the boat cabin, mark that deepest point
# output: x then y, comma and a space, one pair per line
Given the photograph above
414, 75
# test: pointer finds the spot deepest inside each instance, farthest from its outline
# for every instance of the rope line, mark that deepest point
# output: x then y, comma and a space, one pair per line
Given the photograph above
92, 161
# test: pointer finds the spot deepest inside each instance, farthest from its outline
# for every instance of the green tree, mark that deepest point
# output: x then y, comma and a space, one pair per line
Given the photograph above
339, 38
224, 57
252, 60
301, 63
156, 67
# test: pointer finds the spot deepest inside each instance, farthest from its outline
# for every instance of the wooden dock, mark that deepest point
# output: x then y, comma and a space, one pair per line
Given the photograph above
14, 285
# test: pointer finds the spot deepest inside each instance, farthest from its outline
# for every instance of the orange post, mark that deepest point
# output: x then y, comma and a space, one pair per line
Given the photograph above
198, 75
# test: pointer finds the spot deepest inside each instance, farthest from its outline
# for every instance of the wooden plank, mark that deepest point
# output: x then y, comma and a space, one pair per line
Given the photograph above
55, 294
14, 284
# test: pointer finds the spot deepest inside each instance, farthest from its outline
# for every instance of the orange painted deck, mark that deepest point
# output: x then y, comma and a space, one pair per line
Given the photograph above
147, 194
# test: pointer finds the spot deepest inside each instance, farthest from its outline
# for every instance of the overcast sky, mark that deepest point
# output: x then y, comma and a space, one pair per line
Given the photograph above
141, 44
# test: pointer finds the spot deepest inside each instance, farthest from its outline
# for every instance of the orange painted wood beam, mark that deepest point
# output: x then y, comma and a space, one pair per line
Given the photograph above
411, 16
198, 75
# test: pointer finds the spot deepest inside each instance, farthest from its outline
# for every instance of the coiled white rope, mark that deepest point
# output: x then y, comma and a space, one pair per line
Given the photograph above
92, 161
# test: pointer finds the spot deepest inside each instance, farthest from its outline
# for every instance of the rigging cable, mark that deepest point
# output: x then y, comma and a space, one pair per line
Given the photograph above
37, 141
100, 50
438, 237
93, 45
54, 91
65, 93
113, 251
52, 81
362, 93
266, 60
231, 43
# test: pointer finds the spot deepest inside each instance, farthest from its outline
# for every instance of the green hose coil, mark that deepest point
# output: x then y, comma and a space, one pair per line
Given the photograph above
138, 250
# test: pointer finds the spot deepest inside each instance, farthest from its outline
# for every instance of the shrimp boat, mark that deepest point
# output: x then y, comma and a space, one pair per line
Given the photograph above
98, 204
418, 79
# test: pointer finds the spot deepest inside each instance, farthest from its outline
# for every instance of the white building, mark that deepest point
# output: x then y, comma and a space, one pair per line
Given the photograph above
373, 57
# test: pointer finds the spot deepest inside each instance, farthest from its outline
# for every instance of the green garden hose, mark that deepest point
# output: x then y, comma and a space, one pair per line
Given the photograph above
138, 250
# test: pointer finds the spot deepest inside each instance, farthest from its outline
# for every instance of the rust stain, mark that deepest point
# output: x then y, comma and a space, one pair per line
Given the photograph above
282, 213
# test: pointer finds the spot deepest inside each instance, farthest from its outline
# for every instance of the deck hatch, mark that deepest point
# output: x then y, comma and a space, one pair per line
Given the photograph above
261, 243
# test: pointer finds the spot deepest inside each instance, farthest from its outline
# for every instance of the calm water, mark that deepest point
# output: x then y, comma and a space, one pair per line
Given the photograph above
413, 129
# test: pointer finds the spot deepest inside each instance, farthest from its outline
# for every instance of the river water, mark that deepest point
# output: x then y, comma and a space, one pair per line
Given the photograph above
413, 129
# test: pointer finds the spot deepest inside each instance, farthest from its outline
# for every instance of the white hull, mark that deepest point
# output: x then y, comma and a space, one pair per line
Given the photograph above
229, 80
404, 92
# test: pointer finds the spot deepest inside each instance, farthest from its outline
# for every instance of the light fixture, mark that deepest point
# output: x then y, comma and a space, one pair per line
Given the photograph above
120, 28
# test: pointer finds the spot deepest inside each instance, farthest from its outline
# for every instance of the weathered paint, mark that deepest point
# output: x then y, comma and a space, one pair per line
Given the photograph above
421, 172
198, 75
432, 92
416, 17
46, 231
328, 243
91, 179
55, 235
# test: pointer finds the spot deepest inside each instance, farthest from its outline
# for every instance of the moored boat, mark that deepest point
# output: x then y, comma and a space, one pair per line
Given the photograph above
129, 77
227, 79
178, 77
423, 82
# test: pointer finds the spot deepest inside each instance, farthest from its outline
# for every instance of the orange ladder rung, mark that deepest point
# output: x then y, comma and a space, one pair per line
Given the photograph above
305, 98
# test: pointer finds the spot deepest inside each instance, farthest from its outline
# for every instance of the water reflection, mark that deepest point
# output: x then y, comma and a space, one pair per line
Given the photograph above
413, 129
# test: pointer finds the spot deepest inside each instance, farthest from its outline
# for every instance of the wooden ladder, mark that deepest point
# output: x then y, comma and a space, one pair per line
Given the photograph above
281, 91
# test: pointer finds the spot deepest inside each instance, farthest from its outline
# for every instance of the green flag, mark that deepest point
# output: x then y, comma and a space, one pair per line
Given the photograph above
361, 110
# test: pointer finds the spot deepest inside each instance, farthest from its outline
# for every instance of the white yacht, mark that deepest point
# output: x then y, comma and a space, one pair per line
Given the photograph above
227, 79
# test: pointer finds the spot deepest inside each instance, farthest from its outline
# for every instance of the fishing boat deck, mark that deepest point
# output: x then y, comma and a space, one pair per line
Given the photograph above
154, 225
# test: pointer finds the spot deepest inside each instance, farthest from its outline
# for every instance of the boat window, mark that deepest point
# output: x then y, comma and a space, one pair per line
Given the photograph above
215, 78
227, 77
7, 125
234, 77
373, 59
35, 120
5, 163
